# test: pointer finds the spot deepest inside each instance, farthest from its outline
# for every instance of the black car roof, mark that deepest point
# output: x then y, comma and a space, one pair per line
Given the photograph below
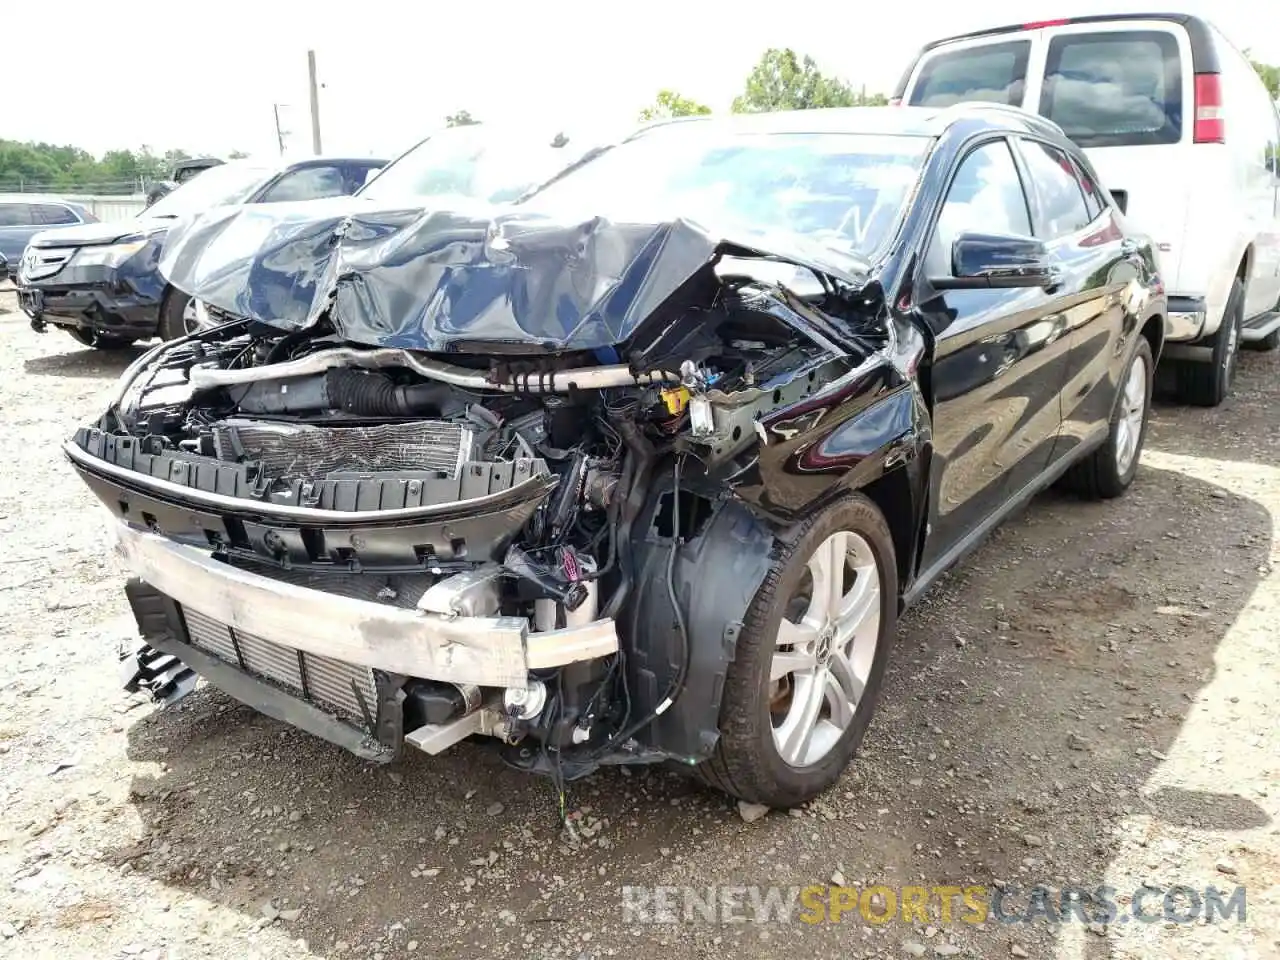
330, 160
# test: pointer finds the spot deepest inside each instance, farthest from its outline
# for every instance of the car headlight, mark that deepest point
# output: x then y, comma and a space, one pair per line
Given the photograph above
111, 255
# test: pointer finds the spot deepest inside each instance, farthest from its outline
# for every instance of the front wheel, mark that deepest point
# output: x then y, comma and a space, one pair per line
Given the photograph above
177, 315
810, 659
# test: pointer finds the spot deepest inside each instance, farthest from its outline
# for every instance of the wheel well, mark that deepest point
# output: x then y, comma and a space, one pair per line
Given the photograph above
1242, 271
1153, 330
891, 493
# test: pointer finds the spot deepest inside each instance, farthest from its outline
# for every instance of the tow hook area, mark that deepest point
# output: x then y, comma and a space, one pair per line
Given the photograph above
164, 676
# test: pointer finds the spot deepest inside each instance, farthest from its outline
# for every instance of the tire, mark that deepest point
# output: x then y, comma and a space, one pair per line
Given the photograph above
748, 762
1271, 340
172, 323
1208, 384
100, 341
1106, 473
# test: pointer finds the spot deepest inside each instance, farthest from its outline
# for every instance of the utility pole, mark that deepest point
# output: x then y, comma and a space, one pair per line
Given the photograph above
279, 130
315, 102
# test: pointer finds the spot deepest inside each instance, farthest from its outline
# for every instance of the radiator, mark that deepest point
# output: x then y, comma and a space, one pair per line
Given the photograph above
332, 684
301, 450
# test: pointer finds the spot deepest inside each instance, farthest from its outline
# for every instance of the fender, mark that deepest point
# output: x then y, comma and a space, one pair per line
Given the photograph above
844, 437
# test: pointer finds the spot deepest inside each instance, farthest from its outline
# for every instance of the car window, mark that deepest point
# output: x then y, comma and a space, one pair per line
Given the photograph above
1053, 178
985, 196
844, 191
1093, 200
994, 72
54, 213
1115, 89
16, 215
360, 174
308, 183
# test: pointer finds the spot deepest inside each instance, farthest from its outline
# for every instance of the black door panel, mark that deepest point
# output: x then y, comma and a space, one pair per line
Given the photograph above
996, 378
1101, 267
999, 362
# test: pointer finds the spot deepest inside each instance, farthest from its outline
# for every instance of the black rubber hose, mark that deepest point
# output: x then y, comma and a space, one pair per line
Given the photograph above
642, 450
682, 628
374, 395
676, 686
280, 349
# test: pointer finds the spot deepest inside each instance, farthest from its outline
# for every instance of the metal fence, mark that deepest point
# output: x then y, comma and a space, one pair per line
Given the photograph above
95, 188
109, 208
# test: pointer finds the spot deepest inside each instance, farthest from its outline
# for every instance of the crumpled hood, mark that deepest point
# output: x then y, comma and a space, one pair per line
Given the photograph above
441, 279
96, 234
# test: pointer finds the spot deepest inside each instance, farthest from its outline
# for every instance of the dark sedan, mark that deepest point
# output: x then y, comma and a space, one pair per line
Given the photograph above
641, 468
100, 281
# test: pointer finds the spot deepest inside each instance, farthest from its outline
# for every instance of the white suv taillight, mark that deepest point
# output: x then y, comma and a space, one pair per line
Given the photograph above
1210, 127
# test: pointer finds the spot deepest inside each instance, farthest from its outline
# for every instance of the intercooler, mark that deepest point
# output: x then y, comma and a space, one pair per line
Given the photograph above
300, 450
343, 688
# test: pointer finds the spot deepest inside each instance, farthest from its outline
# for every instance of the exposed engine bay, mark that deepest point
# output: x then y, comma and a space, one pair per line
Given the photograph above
550, 491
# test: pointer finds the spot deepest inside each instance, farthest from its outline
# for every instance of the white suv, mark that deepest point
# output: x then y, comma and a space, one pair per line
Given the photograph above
1182, 132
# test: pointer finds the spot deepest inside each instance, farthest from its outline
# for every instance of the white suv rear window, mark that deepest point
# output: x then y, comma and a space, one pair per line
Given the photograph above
1114, 89
994, 72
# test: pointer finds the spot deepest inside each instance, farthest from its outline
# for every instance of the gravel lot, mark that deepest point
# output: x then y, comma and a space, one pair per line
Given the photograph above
1090, 699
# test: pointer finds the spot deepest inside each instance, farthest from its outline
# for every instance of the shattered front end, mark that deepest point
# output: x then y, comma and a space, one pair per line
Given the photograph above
510, 478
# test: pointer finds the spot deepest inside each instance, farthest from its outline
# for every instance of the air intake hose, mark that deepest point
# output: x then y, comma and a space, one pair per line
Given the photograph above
374, 395
364, 394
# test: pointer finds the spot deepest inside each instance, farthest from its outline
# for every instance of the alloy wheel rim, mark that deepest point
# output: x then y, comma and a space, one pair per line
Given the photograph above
192, 322
1133, 410
824, 651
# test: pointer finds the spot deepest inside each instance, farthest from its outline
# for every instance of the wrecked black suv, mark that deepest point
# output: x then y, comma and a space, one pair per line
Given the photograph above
640, 469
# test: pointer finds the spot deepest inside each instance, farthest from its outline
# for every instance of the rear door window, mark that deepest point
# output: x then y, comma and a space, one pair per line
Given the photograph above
1092, 195
309, 183
994, 73
1114, 89
16, 215
55, 213
1056, 184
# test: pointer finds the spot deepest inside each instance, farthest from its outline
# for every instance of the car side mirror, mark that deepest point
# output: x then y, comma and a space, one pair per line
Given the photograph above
998, 261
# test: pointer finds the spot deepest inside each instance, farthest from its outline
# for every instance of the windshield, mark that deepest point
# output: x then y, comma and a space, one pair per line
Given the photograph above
227, 183
492, 163
842, 190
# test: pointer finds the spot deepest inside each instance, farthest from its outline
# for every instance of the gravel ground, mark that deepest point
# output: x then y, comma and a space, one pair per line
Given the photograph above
1090, 699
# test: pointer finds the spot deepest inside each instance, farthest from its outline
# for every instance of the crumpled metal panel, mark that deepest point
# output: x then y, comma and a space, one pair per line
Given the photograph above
439, 279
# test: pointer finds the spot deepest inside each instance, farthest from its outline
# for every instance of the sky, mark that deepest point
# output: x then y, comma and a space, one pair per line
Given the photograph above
206, 78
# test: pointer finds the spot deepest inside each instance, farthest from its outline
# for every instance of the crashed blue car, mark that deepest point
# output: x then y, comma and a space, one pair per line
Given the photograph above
100, 282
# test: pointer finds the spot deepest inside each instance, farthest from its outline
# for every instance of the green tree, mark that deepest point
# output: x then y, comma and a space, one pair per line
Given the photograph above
236, 155
1270, 76
462, 118
62, 168
670, 104
784, 80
